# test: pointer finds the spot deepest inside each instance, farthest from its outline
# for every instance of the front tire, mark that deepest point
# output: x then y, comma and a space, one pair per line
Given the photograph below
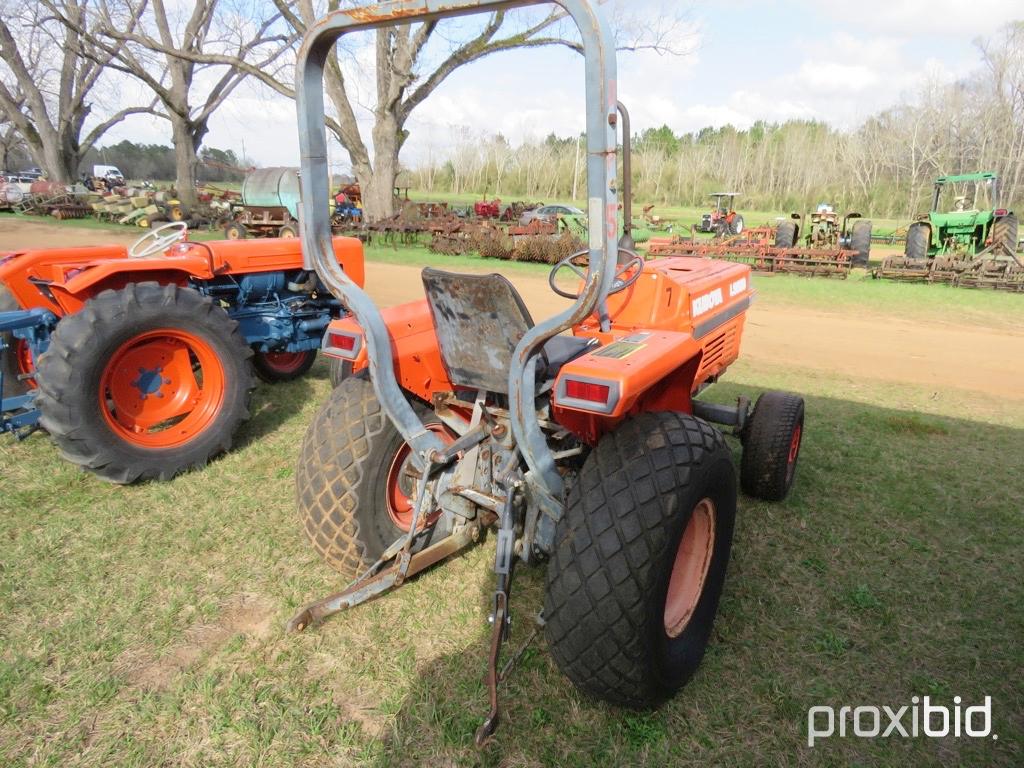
354, 493
634, 582
771, 446
144, 382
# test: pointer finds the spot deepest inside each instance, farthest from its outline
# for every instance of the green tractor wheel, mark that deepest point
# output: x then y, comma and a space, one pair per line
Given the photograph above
1004, 233
919, 236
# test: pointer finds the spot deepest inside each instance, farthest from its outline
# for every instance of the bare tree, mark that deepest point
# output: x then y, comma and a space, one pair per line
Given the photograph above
183, 61
408, 69
47, 82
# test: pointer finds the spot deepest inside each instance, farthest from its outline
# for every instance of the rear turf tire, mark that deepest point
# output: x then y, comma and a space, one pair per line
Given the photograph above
785, 234
342, 478
860, 241
78, 360
918, 240
771, 446
617, 543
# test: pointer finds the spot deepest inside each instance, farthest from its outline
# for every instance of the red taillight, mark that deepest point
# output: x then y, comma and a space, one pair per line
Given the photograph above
343, 341
343, 344
582, 390
1001, 212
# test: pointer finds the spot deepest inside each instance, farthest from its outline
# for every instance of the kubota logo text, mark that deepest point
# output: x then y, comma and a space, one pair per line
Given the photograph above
707, 302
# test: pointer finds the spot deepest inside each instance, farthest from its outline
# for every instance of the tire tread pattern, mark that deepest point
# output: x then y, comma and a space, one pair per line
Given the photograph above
766, 445
337, 452
614, 534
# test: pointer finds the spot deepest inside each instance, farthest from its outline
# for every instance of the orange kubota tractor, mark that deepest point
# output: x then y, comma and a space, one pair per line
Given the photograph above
580, 439
139, 361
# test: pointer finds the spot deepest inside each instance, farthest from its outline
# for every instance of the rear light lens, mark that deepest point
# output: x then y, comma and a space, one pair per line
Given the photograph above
1001, 212
587, 395
582, 390
343, 344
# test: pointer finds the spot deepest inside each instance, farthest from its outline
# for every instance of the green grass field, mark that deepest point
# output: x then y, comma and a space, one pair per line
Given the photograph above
143, 625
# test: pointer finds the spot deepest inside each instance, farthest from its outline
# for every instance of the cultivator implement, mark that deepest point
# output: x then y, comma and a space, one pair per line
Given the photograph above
987, 270
759, 255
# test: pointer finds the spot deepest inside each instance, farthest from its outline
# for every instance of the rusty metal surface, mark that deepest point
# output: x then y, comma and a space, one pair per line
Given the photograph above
479, 321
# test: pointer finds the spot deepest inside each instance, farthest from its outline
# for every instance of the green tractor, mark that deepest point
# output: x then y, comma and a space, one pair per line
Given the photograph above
966, 239
965, 219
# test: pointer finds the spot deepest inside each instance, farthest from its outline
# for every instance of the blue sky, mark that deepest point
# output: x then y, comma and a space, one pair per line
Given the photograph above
838, 62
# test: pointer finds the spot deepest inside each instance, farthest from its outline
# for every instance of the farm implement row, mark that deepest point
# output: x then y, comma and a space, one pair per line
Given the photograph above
761, 255
992, 272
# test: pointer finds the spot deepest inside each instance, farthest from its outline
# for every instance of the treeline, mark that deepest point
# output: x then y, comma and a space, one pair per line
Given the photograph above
885, 167
144, 162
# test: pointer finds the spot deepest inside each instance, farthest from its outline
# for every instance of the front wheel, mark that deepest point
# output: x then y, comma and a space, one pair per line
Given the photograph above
144, 382
634, 582
771, 445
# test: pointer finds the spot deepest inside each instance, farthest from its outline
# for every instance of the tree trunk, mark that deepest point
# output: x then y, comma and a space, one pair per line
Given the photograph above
185, 160
378, 182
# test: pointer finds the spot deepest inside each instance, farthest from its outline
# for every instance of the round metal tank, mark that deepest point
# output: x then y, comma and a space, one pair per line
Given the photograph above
272, 187
42, 187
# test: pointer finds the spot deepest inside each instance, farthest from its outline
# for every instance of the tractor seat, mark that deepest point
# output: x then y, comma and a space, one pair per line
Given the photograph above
479, 320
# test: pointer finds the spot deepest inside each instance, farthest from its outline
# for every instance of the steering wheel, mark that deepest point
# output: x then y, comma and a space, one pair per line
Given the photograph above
173, 232
623, 278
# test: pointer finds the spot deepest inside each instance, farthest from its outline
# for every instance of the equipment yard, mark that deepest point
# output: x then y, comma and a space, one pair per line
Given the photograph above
144, 625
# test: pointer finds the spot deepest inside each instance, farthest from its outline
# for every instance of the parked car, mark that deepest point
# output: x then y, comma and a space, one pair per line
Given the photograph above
549, 213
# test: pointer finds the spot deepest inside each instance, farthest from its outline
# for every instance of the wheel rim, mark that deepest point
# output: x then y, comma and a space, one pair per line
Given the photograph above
690, 569
794, 452
284, 362
24, 362
286, 232
233, 233
401, 483
162, 388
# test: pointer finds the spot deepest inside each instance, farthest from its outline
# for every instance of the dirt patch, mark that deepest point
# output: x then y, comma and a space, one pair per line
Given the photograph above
19, 234
247, 615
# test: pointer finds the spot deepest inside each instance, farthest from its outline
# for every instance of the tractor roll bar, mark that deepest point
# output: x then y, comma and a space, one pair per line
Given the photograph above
599, 58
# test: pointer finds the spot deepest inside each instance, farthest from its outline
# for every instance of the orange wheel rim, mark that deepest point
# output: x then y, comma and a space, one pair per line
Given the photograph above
162, 388
690, 569
23, 358
794, 452
401, 483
